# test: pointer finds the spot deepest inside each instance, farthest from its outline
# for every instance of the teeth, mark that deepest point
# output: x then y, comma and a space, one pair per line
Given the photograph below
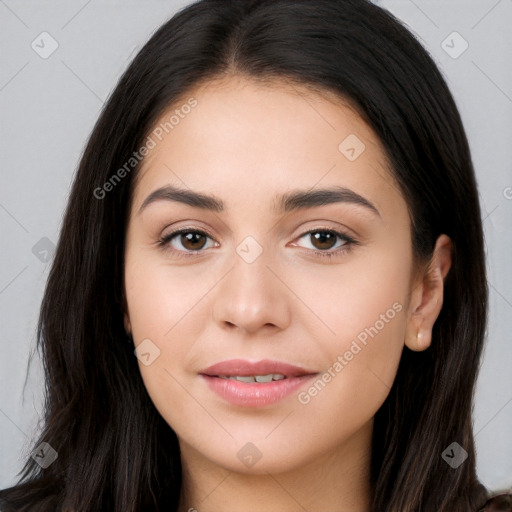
244, 378
254, 378
263, 378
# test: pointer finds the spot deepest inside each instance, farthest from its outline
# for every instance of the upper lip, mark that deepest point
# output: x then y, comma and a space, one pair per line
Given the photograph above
264, 367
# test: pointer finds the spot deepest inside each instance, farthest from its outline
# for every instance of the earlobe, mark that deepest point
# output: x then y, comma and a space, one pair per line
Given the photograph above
427, 297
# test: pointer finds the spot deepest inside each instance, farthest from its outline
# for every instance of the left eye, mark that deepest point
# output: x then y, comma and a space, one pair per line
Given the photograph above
323, 240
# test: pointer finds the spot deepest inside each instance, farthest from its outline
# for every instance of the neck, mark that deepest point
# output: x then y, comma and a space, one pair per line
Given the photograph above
338, 481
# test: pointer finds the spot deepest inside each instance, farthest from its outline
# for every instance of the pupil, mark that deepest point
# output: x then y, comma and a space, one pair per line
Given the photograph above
326, 239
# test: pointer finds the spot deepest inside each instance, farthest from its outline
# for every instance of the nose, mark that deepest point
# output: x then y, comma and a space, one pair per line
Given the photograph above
252, 298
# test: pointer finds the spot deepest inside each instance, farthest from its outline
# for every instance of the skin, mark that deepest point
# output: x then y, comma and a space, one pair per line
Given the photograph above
244, 143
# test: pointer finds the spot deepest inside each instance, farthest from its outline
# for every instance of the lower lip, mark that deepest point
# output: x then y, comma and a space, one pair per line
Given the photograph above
252, 394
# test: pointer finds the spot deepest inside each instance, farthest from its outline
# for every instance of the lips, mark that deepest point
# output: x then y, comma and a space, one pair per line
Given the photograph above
254, 384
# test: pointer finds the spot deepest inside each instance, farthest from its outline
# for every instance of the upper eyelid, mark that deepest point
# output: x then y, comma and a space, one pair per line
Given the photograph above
179, 231
342, 229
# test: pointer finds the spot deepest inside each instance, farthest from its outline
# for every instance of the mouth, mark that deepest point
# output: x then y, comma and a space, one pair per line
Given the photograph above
255, 384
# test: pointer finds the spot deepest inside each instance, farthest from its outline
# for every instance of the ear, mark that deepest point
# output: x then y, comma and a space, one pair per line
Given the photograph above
427, 297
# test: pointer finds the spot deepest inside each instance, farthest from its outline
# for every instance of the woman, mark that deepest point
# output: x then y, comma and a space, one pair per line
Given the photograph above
269, 289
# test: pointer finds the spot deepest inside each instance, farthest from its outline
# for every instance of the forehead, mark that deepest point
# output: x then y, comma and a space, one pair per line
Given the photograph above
247, 140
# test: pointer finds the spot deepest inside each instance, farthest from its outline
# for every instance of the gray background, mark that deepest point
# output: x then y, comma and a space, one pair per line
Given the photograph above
48, 108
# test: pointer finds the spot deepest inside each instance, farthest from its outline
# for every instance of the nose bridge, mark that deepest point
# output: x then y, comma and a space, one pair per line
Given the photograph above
250, 296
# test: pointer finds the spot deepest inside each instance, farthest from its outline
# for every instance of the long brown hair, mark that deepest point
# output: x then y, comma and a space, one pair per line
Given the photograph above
115, 451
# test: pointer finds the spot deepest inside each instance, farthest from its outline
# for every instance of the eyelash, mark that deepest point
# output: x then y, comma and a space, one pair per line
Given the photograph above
345, 248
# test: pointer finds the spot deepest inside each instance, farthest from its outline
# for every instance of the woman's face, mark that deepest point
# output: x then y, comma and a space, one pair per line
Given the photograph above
295, 261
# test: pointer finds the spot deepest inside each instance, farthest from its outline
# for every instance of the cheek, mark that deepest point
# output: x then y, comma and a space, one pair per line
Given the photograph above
362, 306
369, 289
161, 297
166, 312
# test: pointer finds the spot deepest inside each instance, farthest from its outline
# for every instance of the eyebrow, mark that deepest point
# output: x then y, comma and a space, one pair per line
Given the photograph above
288, 202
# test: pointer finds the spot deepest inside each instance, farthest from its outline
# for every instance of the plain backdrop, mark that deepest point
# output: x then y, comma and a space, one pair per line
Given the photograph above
49, 103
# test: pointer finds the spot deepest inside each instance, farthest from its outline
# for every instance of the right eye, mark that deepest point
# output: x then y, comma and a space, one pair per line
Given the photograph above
186, 241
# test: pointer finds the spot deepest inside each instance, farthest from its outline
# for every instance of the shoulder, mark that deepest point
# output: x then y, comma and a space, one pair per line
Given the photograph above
498, 503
